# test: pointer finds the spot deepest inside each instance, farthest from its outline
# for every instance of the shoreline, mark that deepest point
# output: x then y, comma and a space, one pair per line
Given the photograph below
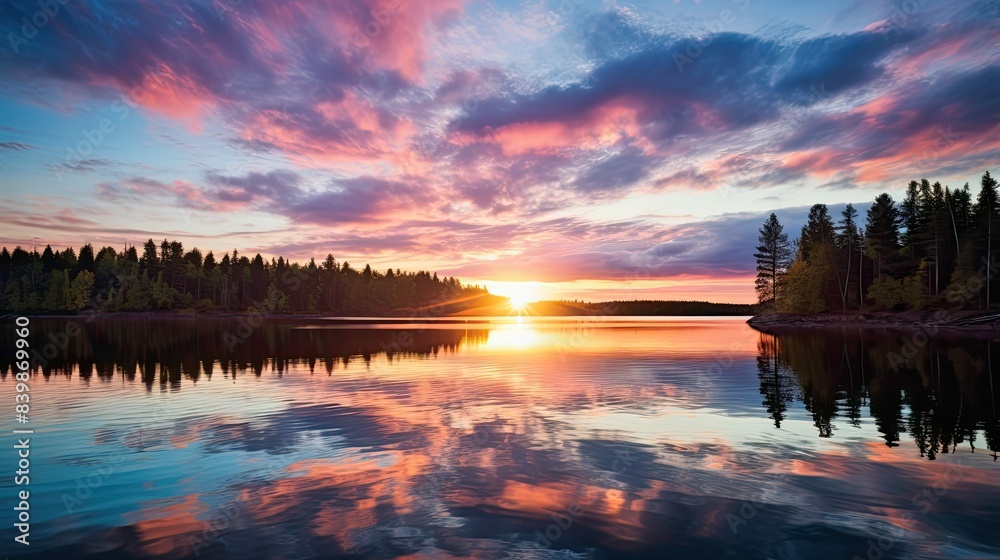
415, 317
955, 321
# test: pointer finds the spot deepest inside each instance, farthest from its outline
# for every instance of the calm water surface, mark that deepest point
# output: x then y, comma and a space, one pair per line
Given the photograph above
569, 438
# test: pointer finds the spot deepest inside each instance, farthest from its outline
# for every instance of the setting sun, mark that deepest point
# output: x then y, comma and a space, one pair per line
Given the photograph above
519, 294
518, 301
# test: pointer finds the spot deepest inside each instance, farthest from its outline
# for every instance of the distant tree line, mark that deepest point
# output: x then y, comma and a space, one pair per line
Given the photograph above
639, 308
936, 248
166, 277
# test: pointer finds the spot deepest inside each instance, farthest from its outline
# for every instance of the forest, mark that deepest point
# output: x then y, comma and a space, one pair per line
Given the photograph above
166, 277
935, 249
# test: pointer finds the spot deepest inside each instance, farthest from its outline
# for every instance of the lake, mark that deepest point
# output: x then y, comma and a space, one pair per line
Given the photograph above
601, 437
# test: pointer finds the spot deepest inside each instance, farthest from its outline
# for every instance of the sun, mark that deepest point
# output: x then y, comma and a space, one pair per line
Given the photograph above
520, 295
519, 301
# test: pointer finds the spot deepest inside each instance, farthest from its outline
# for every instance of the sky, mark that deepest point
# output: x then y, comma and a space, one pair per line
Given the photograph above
558, 149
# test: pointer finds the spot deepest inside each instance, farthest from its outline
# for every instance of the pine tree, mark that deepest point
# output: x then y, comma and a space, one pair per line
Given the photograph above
773, 256
149, 262
911, 219
818, 231
847, 241
938, 250
85, 261
987, 221
882, 234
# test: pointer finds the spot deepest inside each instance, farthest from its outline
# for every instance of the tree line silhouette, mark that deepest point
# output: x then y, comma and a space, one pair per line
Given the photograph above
639, 308
936, 248
169, 278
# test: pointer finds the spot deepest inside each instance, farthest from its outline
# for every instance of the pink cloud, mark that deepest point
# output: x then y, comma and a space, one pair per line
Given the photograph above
600, 127
345, 130
397, 32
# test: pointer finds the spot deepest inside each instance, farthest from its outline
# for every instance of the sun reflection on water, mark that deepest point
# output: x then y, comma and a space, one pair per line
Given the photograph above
518, 335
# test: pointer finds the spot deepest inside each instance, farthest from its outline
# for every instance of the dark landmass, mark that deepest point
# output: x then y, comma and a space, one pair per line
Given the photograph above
959, 321
619, 308
168, 279
645, 308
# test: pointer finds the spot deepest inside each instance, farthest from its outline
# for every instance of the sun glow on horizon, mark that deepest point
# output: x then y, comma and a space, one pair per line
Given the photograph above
519, 301
520, 294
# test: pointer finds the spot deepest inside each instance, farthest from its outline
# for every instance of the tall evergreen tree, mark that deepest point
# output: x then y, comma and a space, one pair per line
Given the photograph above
961, 212
773, 256
49, 259
911, 218
149, 262
987, 223
882, 234
4, 269
847, 242
85, 261
818, 231
937, 239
